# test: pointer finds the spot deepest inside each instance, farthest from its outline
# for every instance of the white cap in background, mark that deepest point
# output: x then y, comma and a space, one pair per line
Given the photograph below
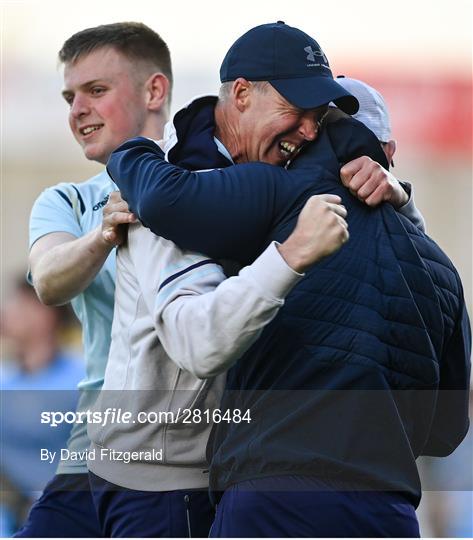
373, 111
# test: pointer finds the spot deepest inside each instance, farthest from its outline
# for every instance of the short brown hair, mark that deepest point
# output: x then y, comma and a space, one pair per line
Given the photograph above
134, 40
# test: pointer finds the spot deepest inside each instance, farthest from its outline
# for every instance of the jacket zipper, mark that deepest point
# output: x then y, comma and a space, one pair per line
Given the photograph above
188, 516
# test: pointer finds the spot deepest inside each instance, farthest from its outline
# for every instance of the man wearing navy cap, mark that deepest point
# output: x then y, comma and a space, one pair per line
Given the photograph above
322, 454
300, 87
276, 87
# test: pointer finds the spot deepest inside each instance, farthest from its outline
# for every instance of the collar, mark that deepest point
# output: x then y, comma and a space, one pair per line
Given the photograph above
190, 137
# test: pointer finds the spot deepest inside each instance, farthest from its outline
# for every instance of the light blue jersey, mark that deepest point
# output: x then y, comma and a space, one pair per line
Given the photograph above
77, 209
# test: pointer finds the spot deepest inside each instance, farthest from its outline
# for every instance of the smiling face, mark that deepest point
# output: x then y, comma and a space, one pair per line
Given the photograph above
272, 130
107, 101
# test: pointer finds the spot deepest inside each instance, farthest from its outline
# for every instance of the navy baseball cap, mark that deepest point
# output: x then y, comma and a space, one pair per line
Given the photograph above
291, 61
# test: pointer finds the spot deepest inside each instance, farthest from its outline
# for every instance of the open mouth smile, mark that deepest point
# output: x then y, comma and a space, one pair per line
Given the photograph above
87, 130
288, 149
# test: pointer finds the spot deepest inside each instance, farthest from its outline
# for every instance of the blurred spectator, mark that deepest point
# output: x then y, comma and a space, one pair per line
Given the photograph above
36, 375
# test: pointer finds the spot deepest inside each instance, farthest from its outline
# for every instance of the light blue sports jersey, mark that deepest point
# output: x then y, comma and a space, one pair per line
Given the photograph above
77, 209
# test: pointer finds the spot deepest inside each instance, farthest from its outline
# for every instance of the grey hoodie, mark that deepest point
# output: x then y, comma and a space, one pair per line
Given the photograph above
177, 324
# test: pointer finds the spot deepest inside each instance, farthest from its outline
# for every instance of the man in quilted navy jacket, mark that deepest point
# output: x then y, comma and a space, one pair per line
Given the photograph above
365, 368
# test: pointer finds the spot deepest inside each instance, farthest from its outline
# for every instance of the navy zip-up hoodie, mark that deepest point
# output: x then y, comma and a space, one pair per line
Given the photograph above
366, 367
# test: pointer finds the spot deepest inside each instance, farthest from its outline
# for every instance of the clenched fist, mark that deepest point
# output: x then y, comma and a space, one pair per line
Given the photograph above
371, 183
321, 229
115, 218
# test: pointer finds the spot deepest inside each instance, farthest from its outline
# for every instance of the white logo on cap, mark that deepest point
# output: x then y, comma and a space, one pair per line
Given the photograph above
311, 54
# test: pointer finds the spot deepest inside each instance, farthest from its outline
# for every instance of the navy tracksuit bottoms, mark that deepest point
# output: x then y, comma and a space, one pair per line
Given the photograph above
297, 506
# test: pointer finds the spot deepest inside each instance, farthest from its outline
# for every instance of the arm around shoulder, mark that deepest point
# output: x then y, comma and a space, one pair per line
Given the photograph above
226, 213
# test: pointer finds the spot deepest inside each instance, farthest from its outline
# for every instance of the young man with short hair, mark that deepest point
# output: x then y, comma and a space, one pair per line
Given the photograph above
117, 82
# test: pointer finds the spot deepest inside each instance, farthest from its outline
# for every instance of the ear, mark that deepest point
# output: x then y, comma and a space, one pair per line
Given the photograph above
241, 93
390, 149
157, 90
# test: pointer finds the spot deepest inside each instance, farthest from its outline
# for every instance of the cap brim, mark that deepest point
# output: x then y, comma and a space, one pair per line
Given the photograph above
312, 92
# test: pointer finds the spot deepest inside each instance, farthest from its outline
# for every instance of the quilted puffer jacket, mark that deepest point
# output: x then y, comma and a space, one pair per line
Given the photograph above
366, 367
